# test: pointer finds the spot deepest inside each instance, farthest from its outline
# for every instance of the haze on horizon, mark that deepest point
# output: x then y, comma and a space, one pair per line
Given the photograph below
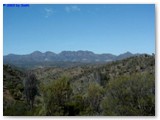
76, 51
101, 28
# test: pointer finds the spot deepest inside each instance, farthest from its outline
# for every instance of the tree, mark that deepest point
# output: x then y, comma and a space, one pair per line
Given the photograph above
57, 97
93, 99
130, 95
30, 88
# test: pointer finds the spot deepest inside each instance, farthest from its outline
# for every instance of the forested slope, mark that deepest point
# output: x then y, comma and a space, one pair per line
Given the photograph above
124, 87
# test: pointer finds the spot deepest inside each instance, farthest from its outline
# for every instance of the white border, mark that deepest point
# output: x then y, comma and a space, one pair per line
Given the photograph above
157, 2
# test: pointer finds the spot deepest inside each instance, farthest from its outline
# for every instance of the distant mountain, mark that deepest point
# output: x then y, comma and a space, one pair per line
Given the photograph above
48, 57
124, 55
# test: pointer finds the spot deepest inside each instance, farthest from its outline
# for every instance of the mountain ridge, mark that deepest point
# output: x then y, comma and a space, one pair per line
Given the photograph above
49, 58
74, 54
71, 51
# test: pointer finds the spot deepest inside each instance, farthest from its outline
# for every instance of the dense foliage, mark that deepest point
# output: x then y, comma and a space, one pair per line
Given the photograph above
120, 88
130, 95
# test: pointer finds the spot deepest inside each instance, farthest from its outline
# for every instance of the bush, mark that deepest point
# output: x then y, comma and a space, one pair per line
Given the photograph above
57, 96
93, 99
130, 95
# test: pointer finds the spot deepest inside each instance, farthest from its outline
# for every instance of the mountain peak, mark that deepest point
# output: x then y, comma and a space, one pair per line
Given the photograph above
125, 55
76, 56
127, 52
36, 52
49, 53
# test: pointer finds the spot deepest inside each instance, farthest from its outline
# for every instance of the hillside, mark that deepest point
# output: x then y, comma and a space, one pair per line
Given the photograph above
12, 89
100, 73
90, 89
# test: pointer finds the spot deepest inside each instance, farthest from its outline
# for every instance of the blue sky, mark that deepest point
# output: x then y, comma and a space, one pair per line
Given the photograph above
99, 28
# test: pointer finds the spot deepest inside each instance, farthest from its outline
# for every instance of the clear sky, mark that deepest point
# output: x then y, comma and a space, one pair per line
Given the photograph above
99, 28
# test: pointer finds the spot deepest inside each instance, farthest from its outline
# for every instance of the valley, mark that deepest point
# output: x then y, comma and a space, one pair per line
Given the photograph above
119, 87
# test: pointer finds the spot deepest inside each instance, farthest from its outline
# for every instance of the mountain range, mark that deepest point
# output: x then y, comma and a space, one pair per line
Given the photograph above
64, 56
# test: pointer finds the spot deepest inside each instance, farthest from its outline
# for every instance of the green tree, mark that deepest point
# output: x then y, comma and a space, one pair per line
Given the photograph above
57, 97
93, 99
130, 95
31, 88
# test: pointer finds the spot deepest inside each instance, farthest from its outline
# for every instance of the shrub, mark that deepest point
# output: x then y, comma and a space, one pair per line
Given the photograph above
130, 95
93, 99
57, 96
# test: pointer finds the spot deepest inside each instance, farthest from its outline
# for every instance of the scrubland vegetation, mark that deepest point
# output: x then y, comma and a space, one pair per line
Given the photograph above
120, 88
